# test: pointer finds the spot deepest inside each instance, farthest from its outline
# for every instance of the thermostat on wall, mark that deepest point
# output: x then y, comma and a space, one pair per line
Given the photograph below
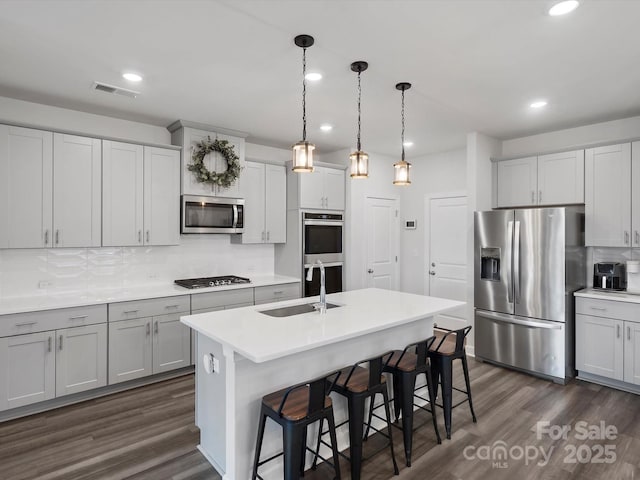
410, 224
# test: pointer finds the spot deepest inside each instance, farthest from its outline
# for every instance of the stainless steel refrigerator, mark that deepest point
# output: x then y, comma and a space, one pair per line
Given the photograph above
528, 263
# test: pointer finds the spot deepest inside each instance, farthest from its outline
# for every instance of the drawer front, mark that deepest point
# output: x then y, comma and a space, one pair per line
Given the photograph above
201, 301
32, 322
275, 293
608, 309
149, 307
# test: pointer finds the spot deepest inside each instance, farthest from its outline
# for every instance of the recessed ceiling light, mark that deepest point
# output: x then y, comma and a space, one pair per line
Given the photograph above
408, 144
326, 127
562, 8
539, 104
313, 76
132, 77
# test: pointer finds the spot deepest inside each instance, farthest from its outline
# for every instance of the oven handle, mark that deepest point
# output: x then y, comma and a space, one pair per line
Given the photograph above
330, 223
525, 322
332, 264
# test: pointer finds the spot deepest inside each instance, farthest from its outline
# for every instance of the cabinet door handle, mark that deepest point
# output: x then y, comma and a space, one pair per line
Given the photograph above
60, 344
130, 311
628, 333
263, 237
46, 238
155, 329
279, 292
626, 237
637, 237
148, 329
78, 317
49, 344
539, 196
139, 236
267, 235
148, 236
171, 306
601, 309
617, 331
57, 237
25, 324
533, 196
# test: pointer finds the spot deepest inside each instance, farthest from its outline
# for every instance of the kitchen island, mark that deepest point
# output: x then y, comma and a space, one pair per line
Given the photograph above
254, 354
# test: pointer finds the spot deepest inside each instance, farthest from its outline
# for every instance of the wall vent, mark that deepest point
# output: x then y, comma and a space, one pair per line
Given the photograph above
104, 87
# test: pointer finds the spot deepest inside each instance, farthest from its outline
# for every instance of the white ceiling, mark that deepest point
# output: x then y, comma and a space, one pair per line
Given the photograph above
474, 65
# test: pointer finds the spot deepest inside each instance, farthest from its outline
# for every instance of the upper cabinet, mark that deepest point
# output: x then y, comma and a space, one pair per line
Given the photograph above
554, 179
141, 195
264, 189
608, 196
188, 137
51, 186
322, 189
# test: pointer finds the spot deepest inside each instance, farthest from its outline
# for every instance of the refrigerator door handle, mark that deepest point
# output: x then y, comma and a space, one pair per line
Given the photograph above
516, 262
509, 256
525, 322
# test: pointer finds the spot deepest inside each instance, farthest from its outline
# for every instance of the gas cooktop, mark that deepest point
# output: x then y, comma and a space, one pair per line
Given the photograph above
207, 282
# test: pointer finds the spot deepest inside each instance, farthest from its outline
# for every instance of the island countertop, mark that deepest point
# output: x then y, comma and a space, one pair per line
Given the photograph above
261, 338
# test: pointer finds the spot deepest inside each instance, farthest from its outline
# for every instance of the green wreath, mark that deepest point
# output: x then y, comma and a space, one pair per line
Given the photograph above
203, 174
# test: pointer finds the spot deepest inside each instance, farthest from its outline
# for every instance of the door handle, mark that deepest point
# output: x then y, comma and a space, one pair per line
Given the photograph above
57, 237
148, 329
628, 333
516, 262
49, 344
626, 237
637, 234
267, 235
508, 261
370, 270
533, 196
46, 238
155, 329
60, 345
617, 331
539, 196
148, 236
431, 272
263, 237
139, 236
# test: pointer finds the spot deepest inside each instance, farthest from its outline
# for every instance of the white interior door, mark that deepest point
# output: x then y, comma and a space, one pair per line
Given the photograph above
382, 243
447, 255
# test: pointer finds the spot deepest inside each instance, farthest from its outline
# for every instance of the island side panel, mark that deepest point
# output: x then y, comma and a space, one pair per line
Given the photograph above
211, 404
254, 380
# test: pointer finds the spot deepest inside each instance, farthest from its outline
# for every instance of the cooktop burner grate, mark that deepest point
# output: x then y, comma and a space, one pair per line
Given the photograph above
207, 282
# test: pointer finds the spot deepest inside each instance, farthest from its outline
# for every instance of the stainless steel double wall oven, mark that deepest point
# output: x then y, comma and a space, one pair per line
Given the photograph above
323, 239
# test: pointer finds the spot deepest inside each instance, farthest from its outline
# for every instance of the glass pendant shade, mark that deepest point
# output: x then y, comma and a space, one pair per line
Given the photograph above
303, 156
359, 164
401, 173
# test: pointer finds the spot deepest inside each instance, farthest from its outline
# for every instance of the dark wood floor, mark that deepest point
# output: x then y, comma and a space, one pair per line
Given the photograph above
148, 433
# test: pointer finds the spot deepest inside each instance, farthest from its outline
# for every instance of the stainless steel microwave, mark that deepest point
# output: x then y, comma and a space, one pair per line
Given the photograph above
211, 214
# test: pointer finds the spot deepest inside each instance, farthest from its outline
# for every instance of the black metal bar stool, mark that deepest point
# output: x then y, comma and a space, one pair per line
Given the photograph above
449, 346
405, 366
357, 384
295, 408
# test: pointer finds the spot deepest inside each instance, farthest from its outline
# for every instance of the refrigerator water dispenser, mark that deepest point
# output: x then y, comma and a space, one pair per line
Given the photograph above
490, 264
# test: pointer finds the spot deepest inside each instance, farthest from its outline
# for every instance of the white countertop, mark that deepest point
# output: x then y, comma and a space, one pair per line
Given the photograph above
83, 298
261, 338
608, 295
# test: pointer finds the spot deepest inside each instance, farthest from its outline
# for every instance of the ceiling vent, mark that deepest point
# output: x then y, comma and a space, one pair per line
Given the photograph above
104, 87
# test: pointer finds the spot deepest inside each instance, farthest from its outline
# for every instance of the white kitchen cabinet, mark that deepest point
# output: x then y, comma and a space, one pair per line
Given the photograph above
322, 189
26, 173
561, 178
77, 191
608, 196
122, 194
140, 195
517, 182
161, 196
81, 359
188, 137
27, 369
635, 193
171, 343
264, 189
599, 346
632, 352
130, 349
554, 179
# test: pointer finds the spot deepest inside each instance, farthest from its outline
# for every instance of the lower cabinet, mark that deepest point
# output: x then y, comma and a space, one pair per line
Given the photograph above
144, 346
44, 365
608, 339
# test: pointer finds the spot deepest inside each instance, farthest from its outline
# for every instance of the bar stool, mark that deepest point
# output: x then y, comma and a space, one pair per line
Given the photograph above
294, 409
357, 384
449, 346
405, 366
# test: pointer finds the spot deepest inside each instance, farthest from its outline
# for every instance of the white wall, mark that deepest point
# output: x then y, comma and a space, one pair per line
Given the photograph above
436, 173
597, 133
55, 118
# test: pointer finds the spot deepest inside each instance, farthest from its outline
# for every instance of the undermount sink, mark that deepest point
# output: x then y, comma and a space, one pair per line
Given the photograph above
295, 310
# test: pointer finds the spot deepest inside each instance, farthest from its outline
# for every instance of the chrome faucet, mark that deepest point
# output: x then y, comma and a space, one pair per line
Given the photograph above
322, 305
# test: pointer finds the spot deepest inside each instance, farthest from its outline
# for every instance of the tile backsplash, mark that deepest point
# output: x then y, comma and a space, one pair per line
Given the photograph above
63, 270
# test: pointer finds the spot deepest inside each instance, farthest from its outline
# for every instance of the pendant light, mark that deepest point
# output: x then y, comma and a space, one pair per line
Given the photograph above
401, 169
359, 160
303, 150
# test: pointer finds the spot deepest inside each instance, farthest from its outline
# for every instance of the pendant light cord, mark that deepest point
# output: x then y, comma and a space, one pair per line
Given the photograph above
304, 94
403, 124
359, 95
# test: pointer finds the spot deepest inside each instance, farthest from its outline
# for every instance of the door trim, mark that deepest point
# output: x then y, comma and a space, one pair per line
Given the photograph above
427, 231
